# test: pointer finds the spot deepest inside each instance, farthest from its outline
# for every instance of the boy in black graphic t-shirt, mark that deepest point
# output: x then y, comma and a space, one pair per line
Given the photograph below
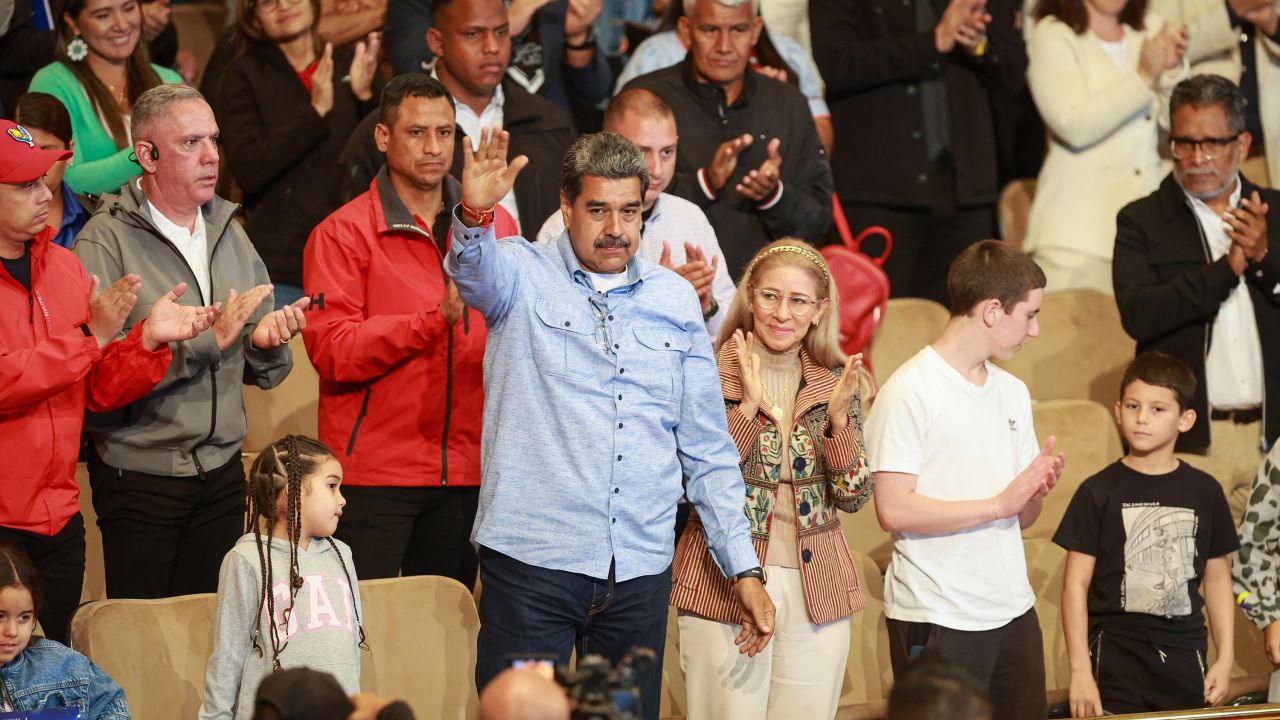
1141, 536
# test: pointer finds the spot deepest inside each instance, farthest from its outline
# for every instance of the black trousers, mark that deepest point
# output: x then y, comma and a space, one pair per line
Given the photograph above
1136, 675
165, 536
925, 242
59, 561
1008, 661
411, 530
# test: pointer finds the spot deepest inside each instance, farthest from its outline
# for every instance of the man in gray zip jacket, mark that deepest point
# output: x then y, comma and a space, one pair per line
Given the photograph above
167, 479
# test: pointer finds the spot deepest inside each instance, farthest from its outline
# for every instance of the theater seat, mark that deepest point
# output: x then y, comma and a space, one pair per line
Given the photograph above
1045, 565
422, 634
156, 649
1082, 350
868, 674
908, 325
292, 407
1086, 433
1014, 208
95, 580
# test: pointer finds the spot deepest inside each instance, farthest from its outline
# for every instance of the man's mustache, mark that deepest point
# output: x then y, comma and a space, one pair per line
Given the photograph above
609, 242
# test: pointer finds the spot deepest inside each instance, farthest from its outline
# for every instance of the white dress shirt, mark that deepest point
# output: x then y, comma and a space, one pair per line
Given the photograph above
1233, 367
193, 245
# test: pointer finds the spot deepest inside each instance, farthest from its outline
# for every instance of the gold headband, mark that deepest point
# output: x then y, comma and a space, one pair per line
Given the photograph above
809, 254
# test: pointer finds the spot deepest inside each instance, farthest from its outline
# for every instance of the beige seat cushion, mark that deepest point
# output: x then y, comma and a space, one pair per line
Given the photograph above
908, 325
1086, 433
1081, 352
155, 649
292, 407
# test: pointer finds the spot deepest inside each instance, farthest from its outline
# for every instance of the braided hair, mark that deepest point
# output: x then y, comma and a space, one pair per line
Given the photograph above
283, 467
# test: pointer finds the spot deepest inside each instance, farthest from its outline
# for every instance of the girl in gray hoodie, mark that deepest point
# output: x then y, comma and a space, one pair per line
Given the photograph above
269, 618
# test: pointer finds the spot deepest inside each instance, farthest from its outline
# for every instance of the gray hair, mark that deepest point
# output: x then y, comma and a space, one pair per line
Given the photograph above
755, 5
1210, 91
154, 104
605, 155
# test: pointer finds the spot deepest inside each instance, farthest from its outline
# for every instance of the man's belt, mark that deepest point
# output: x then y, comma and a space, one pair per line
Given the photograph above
1239, 416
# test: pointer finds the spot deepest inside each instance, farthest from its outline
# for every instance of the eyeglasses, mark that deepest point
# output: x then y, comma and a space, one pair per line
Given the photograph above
269, 4
799, 305
1184, 148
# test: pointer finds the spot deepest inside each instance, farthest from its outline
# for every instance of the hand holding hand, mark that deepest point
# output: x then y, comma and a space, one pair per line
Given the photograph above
1032, 483
962, 20
236, 312
486, 175
1083, 696
578, 19
749, 374
451, 304
1152, 58
109, 310
322, 83
364, 66
1271, 639
696, 270
279, 326
842, 394
1177, 38
170, 322
757, 613
768, 71
1217, 682
761, 183
1247, 226
725, 161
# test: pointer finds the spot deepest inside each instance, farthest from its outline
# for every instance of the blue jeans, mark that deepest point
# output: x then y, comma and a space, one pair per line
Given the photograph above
526, 609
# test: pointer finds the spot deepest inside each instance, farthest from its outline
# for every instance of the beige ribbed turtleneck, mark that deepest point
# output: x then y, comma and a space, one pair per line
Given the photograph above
780, 376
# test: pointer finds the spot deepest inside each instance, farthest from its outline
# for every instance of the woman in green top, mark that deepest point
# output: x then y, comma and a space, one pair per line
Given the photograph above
101, 68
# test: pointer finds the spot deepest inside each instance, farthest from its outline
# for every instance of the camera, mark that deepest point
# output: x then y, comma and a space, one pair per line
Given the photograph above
598, 690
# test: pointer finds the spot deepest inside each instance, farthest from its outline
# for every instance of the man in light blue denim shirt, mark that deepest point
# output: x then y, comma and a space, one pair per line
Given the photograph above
601, 392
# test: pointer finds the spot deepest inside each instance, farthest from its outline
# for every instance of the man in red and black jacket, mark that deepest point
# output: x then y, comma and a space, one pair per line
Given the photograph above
398, 353
59, 357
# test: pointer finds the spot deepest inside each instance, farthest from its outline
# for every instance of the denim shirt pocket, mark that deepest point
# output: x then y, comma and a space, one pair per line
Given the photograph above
661, 351
565, 344
66, 692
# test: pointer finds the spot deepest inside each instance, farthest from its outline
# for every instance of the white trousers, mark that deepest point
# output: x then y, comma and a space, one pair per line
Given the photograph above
798, 675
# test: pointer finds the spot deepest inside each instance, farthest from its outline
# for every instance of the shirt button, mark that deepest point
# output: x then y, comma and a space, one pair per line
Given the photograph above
922, 177
616, 491
666, 344
610, 317
616, 346
911, 89
566, 323
614, 520
619, 397
619, 426
1137, 171
619, 458
622, 371
916, 135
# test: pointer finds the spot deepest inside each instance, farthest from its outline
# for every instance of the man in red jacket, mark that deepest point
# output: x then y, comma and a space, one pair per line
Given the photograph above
58, 356
398, 353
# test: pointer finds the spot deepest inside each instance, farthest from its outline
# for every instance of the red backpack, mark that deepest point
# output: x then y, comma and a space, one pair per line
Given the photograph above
861, 282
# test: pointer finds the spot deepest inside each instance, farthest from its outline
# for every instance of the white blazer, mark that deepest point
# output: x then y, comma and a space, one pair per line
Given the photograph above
1215, 48
1103, 127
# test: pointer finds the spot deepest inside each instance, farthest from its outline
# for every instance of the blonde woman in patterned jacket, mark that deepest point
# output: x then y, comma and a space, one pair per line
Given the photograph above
793, 403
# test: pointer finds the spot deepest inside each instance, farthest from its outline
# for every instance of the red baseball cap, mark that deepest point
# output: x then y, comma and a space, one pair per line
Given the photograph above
20, 159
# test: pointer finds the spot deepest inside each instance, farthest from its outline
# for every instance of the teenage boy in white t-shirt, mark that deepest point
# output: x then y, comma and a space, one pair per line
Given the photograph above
958, 475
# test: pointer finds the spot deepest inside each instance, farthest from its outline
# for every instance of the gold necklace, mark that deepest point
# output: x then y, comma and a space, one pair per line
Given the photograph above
774, 408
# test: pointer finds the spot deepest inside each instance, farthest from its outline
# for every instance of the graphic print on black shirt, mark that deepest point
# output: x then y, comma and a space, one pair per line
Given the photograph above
1151, 537
1159, 555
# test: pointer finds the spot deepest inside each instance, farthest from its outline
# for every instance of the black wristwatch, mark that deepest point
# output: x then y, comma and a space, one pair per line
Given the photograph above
710, 313
755, 572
